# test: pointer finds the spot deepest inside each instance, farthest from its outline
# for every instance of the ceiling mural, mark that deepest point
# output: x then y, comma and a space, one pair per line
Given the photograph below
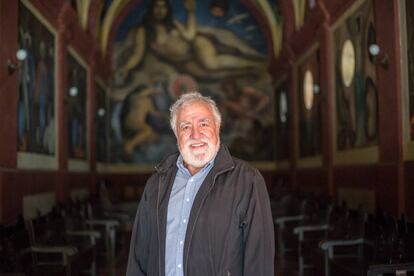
165, 48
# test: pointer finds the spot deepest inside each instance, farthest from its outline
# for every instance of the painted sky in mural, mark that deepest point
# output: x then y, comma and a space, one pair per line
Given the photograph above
174, 48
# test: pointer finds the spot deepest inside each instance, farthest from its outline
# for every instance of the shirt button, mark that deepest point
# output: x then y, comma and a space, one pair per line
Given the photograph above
181, 242
179, 266
188, 200
191, 180
184, 220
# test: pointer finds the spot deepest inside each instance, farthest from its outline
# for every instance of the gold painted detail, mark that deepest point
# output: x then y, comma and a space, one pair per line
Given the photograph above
275, 24
299, 12
113, 12
83, 12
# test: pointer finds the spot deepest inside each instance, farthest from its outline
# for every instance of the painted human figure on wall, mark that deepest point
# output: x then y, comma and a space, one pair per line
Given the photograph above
41, 92
185, 46
25, 78
172, 49
35, 108
247, 111
243, 108
137, 107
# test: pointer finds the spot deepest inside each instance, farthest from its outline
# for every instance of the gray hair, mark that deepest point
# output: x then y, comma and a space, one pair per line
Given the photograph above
187, 99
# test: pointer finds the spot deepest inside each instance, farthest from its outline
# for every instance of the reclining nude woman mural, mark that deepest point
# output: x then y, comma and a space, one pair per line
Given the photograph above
187, 46
170, 52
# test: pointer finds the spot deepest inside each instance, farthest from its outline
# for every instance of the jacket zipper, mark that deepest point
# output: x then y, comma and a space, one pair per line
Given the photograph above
198, 214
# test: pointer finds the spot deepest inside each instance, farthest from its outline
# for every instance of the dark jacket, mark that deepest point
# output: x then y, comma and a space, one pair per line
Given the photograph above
230, 229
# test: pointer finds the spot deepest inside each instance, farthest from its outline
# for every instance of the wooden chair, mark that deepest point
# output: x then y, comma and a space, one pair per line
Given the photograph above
310, 233
382, 239
74, 231
108, 227
293, 214
48, 231
394, 249
401, 269
345, 245
19, 257
291, 231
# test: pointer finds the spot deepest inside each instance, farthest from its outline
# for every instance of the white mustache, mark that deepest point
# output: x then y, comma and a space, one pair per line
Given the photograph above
194, 141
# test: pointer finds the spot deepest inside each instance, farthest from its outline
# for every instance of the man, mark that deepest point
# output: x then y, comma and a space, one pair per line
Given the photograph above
203, 212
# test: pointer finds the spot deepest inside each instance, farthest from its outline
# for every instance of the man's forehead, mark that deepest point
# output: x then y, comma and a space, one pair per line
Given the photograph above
202, 119
196, 108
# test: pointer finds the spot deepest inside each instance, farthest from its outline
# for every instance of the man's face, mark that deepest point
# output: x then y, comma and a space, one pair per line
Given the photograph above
197, 135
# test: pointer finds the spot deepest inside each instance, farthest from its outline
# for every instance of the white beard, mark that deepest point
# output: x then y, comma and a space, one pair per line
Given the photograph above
199, 157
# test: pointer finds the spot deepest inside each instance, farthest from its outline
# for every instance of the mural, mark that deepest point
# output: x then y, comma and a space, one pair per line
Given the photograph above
173, 47
355, 80
101, 124
36, 106
76, 106
410, 54
282, 121
309, 106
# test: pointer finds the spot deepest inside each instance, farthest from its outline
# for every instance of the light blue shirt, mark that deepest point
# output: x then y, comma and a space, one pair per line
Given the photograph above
181, 200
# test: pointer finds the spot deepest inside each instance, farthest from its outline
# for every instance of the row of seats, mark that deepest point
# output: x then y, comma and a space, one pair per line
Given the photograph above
59, 239
328, 239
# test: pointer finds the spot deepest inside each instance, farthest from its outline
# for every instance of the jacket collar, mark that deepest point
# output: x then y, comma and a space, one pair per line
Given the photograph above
222, 162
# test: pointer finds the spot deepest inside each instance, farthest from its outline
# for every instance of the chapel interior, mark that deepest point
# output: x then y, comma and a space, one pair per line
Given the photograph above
316, 94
